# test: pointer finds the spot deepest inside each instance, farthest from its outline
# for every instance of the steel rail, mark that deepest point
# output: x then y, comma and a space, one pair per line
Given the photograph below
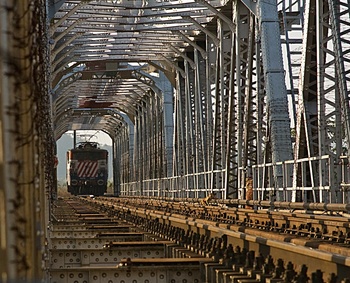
312, 206
301, 249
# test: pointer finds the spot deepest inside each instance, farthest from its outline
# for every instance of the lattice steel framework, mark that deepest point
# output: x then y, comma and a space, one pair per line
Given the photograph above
27, 147
210, 96
241, 98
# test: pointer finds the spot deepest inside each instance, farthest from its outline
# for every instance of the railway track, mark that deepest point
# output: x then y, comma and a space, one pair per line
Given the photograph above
220, 243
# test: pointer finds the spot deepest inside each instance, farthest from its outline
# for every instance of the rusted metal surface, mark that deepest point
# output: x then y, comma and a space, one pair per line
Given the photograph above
162, 273
96, 243
283, 235
86, 257
84, 248
332, 225
88, 232
227, 245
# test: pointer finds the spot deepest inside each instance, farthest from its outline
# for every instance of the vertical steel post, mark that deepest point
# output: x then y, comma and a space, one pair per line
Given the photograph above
277, 103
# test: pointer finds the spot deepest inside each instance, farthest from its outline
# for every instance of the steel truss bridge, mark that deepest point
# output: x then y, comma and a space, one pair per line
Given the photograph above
246, 99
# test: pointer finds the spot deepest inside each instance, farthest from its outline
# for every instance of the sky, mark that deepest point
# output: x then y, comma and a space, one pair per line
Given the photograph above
66, 142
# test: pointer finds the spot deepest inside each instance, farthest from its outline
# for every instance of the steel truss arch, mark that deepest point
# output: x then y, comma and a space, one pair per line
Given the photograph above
232, 74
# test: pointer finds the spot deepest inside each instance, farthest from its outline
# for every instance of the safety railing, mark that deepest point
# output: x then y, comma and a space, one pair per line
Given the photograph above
323, 179
194, 185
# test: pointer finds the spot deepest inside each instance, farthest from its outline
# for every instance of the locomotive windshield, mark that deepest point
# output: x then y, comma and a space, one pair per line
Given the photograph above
88, 155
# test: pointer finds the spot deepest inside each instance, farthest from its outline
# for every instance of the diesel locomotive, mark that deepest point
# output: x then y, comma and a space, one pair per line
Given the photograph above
87, 169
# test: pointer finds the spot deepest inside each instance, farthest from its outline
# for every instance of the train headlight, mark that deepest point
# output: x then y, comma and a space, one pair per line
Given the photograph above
74, 182
100, 182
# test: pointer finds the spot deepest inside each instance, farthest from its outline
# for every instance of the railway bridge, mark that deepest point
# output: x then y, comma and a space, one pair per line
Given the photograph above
246, 101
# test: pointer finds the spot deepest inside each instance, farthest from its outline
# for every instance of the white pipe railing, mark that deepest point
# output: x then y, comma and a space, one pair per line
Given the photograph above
321, 185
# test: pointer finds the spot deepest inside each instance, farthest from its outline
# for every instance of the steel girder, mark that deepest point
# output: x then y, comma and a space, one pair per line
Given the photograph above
322, 121
233, 65
94, 45
242, 75
340, 25
153, 135
225, 61
26, 147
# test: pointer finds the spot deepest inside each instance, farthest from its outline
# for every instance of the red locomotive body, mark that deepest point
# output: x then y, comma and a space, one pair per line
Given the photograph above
87, 169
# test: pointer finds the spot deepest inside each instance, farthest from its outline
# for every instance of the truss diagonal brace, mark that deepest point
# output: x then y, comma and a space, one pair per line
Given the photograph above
251, 5
193, 65
207, 32
229, 22
64, 33
177, 68
58, 50
66, 16
193, 44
